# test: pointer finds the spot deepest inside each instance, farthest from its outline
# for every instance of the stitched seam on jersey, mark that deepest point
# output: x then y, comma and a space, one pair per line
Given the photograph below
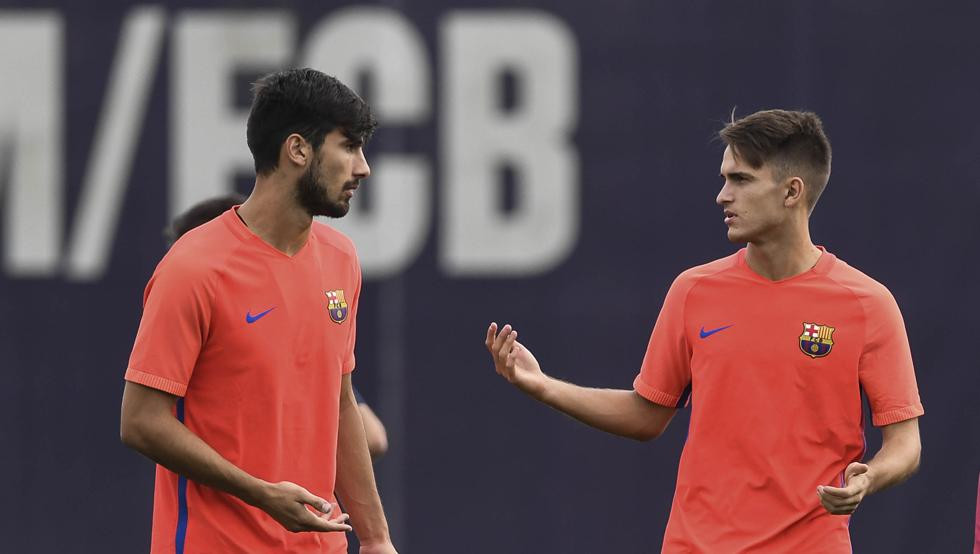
217, 269
883, 418
654, 394
687, 340
155, 381
864, 345
697, 281
219, 274
899, 414
351, 253
211, 300
864, 318
326, 242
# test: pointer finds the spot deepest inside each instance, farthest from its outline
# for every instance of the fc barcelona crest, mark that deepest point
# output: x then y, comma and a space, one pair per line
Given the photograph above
336, 305
816, 340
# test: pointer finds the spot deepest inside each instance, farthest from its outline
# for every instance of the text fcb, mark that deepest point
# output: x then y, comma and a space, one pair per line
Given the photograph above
336, 305
816, 340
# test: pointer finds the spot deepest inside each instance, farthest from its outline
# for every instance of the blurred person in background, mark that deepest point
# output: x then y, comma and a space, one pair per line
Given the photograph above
239, 382
774, 345
206, 210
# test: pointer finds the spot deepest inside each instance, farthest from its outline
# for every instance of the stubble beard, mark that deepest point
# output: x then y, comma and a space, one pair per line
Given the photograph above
313, 197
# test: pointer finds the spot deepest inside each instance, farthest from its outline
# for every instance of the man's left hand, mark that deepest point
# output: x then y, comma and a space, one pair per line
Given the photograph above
843, 501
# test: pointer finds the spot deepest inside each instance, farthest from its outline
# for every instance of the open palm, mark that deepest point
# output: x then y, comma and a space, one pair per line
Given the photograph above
513, 360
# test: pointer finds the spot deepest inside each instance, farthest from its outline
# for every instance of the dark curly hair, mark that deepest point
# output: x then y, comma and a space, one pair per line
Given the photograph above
303, 101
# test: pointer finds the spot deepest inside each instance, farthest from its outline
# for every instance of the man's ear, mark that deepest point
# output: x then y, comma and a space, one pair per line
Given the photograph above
296, 151
795, 192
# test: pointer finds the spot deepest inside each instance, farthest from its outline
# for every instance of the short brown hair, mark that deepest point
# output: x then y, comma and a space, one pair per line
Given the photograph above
793, 142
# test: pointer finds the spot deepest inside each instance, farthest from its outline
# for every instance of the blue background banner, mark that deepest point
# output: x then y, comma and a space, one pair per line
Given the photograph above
548, 164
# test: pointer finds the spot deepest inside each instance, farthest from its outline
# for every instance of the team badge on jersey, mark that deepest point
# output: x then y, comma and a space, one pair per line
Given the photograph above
816, 340
336, 305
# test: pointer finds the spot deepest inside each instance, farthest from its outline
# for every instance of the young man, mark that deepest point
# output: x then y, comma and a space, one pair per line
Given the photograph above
238, 385
206, 210
774, 345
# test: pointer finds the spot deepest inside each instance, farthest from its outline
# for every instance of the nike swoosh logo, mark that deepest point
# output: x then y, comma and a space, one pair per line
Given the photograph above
706, 334
249, 318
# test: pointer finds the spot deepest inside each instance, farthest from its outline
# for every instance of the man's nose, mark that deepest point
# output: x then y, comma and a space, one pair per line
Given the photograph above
361, 167
724, 195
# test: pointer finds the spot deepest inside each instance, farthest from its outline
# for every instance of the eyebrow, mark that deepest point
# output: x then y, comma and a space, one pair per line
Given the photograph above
734, 174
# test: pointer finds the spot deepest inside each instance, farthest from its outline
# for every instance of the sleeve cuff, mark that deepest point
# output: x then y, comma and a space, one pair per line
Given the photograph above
654, 395
155, 382
894, 416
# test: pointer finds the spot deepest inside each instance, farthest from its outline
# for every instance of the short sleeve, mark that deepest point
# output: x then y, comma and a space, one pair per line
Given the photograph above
665, 376
885, 368
349, 362
172, 331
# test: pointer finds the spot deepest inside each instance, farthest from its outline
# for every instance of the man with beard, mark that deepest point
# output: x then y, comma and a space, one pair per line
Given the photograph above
239, 382
206, 210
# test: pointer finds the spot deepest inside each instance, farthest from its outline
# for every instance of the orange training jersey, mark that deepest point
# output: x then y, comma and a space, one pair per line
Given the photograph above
775, 372
255, 343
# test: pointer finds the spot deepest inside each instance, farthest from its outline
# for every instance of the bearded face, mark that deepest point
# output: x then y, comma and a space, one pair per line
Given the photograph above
329, 182
318, 196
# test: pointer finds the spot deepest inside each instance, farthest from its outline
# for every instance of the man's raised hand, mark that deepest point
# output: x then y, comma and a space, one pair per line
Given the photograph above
513, 361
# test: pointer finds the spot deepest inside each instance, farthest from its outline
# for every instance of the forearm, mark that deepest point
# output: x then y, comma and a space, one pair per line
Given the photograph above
356, 486
897, 460
169, 443
620, 412
374, 432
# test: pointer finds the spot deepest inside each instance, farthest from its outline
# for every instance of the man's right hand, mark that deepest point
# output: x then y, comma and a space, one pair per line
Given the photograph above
515, 362
620, 412
287, 503
147, 424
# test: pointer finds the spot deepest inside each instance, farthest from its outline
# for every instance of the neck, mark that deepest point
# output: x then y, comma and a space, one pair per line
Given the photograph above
272, 213
787, 255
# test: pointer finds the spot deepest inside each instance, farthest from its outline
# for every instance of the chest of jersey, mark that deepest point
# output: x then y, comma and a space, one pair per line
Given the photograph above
280, 322
784, 345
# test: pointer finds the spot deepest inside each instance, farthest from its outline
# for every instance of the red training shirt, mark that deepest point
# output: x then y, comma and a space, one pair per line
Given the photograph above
775, 373
255, 343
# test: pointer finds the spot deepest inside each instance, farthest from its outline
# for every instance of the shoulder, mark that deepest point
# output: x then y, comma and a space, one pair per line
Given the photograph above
692, 276
876, 301
864, 287
689, 279
199, 254
328, 236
